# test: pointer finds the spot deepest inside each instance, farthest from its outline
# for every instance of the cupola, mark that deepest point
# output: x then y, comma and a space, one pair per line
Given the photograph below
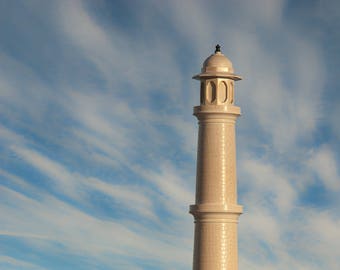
217, 79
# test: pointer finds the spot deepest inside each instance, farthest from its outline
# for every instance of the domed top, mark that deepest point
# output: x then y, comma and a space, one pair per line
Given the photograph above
217, 62
217, 65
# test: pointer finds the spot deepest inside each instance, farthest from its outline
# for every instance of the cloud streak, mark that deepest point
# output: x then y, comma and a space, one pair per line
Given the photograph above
98, 143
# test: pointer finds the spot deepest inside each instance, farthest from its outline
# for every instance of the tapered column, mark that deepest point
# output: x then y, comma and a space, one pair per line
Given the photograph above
216, 210
216, 156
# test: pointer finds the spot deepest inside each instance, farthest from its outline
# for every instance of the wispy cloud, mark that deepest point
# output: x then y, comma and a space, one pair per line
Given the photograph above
75, 185
324, 164
98, 142
12, 263
53, 220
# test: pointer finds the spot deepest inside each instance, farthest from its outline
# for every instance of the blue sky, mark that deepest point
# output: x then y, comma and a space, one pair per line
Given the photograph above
98, 141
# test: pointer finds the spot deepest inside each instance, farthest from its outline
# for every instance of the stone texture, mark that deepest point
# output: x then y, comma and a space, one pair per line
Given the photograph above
216, 210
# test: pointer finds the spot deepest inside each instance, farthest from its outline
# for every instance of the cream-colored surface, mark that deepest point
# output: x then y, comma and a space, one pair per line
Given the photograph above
217, 62
217, 65
216, 210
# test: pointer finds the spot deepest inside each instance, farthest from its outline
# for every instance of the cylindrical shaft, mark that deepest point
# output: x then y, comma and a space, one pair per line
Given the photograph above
216, 164
215, 245
216, 211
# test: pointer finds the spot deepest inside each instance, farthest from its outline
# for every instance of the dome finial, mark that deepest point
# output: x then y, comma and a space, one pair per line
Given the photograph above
217, 48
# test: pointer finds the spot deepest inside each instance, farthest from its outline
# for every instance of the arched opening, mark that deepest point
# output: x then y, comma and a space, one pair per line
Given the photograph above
222, 92
211, 92
231, 98
202, 93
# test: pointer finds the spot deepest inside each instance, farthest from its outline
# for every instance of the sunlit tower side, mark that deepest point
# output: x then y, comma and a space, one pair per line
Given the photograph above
216, 210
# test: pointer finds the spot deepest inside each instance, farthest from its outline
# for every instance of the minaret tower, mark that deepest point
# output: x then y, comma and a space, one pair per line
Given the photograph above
216, 211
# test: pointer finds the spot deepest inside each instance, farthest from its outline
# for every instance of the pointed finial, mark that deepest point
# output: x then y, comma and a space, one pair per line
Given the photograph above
218, 48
